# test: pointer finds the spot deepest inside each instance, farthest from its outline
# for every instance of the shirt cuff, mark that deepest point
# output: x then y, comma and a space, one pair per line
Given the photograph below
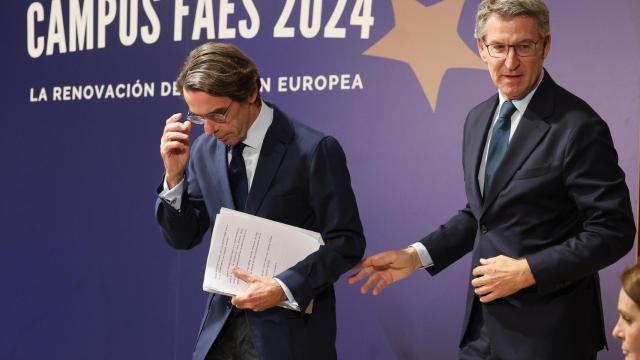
172, 196
423, 254
290, 300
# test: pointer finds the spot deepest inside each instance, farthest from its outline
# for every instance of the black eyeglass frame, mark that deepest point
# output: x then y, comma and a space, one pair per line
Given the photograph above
515, 48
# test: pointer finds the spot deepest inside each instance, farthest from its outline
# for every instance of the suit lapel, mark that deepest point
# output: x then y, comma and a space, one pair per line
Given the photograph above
477, 135
530, 131
273, 150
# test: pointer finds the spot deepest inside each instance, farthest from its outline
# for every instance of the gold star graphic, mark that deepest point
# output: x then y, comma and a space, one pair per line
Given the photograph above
426, 38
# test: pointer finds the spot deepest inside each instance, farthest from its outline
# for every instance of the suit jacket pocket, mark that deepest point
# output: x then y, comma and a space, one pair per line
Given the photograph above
527, 173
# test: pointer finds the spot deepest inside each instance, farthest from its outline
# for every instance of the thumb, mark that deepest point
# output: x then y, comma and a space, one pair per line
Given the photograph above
385, 258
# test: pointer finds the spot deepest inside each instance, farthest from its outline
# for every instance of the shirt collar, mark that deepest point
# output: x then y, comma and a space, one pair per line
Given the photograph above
258, 130
521, 104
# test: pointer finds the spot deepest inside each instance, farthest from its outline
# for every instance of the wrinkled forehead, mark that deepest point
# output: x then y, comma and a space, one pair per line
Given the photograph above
511, 29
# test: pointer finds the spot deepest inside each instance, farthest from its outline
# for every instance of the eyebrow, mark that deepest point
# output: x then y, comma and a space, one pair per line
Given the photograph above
623, 313
516, 43
219, 110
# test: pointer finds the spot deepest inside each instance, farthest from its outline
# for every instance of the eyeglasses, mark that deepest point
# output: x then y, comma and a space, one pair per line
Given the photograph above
523, 49
215, 116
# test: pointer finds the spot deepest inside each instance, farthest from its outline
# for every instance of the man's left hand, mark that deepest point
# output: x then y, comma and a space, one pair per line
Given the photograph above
262, 294
501, 276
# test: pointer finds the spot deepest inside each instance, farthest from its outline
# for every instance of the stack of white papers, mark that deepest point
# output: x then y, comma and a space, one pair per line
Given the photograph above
260, 246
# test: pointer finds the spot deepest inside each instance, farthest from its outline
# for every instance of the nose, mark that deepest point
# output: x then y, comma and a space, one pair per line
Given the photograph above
617, 331
512, 61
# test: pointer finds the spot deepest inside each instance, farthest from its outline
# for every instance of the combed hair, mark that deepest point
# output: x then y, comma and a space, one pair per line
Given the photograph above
219, 69
512, 8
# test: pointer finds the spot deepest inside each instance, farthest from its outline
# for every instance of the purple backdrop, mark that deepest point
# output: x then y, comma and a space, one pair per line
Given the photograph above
84, 270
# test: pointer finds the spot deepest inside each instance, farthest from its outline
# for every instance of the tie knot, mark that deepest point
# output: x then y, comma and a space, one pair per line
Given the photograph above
507, 110
237, 148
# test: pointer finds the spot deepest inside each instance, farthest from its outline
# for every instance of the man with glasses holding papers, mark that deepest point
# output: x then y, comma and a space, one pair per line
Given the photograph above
254, 159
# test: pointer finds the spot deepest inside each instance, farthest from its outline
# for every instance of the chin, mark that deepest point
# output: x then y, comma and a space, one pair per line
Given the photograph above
514, 94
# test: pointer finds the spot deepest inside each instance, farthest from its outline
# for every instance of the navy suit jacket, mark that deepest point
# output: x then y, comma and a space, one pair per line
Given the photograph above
558, 199
301, 179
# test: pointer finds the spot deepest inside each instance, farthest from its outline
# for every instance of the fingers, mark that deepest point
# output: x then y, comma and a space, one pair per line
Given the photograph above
174, 146
180, 127
371, 281
175, 137
490, 260
370, 264
479, 270
183, 127
489, 297
242, 302
174, 118
378, 281
479, 281
360, 275
383, 269
245, 300
260, 295
483, 290
173, 128
366, 262
488, 269
383, 283
243, 275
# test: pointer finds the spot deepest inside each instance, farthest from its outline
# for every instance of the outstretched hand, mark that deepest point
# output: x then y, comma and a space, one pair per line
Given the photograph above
385, 268
262, 293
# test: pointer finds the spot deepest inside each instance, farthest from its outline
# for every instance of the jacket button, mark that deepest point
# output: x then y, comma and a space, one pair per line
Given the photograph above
483, 229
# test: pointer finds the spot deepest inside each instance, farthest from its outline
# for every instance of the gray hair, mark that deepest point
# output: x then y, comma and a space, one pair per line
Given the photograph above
219, 69
512, 8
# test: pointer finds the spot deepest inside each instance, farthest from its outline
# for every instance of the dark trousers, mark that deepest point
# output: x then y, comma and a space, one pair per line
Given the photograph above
477, 344
234, 341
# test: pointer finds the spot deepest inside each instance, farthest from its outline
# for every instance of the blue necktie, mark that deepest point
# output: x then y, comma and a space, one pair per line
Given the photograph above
238, 177
499, 143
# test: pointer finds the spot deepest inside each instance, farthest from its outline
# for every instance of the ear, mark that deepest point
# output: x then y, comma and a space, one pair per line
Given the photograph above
547, 46
252, 98
482, 50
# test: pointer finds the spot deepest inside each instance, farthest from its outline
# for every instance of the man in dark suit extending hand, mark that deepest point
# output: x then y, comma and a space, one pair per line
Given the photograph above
253, 158
547, 205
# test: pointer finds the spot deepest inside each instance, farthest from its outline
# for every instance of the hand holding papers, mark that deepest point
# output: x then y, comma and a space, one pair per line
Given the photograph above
262, 292
262, 247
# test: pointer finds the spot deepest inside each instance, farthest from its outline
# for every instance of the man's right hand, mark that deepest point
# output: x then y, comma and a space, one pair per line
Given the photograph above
385, 268
175, 148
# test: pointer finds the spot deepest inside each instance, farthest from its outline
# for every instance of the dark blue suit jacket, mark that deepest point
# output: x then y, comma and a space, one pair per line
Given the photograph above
559, 200
301, 179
